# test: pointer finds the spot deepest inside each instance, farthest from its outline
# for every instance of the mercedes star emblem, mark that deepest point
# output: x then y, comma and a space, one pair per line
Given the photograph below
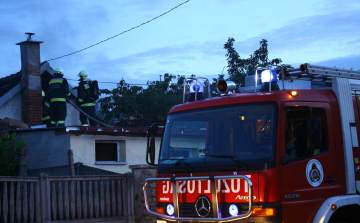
202, 206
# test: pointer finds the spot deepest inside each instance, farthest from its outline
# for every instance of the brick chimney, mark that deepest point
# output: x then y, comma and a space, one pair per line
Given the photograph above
30, 75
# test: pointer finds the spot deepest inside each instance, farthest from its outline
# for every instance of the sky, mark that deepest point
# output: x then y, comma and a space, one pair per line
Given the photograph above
188, 40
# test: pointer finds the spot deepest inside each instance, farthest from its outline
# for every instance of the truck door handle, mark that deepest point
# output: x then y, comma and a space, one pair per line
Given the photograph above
330, 180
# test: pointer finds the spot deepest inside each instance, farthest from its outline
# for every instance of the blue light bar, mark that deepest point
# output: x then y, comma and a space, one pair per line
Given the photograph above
200, 87
267, 76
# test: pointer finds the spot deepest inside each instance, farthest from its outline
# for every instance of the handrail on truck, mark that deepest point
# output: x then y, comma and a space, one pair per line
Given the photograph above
214, 198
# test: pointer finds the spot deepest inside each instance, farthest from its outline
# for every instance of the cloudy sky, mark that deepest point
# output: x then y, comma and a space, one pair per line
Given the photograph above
188, 40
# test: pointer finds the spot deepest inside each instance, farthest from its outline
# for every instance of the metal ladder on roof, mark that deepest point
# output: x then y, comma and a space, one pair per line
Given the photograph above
319, 73
322, 74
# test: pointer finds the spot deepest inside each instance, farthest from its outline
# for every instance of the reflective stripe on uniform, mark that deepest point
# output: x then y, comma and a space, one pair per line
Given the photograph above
56, 81
68, 94
46, 118
81, 100
316, 151
86, 86
58, 99
87, 104
52, 122
61, 122
85, 124
47, 104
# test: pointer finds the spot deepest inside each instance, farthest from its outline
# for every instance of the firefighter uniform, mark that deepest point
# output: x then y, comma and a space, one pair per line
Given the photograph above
84, 100
58, 92
45, 110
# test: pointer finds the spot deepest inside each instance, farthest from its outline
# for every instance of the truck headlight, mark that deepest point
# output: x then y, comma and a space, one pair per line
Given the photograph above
233, 210
170, 209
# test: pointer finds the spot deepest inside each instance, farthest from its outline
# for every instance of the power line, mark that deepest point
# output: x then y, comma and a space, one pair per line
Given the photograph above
107, 82
121, 32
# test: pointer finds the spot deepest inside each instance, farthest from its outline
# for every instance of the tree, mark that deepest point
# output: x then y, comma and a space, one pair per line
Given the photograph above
10, 154
121, 104
130, 105
239, 68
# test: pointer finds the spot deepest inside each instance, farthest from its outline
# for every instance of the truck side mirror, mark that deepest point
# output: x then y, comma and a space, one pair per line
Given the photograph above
153, 128
314, 132
151, 151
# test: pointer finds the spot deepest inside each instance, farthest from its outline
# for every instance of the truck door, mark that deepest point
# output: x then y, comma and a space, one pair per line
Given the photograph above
309, 175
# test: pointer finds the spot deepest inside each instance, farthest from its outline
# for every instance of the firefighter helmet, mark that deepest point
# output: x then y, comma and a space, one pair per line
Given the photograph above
59, 70
83, 74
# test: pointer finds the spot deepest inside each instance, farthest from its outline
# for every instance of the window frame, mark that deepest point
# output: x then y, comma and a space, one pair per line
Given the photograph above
325, 146
120, 151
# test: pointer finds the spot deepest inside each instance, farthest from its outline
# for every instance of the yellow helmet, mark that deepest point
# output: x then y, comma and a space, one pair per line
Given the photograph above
83, 74
59, 70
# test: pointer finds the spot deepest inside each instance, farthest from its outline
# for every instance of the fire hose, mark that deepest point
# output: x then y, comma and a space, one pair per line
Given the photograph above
82, 112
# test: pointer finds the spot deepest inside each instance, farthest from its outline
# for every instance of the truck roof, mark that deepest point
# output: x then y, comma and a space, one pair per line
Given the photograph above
279, 96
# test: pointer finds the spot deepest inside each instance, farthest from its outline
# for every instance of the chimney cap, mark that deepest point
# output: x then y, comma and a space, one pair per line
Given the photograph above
29, 35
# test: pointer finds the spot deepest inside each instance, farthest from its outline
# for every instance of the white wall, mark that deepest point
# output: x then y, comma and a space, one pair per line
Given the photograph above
72, 116
83, 147
12, 108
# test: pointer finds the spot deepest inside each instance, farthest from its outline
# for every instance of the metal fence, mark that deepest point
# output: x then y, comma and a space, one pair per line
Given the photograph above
67, 199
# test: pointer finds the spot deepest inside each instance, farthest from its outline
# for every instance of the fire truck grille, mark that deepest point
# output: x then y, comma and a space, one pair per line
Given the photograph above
188, 210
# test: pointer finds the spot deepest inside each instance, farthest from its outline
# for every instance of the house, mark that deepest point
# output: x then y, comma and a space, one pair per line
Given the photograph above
20, 93
101, 150
113, 149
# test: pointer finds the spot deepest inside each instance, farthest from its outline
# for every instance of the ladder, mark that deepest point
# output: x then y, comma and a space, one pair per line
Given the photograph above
319, 73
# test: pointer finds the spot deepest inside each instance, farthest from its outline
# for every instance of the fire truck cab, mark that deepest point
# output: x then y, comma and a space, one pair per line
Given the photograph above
275, 155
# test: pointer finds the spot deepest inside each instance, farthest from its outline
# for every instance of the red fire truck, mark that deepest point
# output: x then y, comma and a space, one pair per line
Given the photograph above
274, 155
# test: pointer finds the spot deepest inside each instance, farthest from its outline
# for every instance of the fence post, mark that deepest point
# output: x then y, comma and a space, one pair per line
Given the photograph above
71, 162
45, 198
23, 169
130, 197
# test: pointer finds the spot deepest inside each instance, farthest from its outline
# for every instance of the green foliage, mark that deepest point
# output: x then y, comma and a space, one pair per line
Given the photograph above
10, 154
136, 106
239, 68
129, 105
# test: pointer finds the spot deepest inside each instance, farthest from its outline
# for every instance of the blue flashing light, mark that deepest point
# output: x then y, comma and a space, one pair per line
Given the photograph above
170, 209
267, 76
233, 210
200, 87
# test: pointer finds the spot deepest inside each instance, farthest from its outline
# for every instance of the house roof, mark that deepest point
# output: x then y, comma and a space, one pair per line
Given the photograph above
93, 130
9, 82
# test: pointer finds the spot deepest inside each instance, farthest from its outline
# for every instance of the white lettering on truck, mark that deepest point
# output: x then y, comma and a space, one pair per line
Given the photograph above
189, 186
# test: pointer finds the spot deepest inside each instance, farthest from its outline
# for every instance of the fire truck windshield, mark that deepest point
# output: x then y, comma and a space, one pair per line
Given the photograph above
224, 138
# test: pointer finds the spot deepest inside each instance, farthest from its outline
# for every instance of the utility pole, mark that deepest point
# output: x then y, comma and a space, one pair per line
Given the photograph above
160, 77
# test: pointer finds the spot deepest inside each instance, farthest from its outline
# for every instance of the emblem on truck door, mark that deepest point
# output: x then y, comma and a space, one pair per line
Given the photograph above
202, 206
314, 173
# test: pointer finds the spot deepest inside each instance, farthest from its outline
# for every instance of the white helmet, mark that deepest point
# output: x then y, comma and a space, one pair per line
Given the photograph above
83, 74
59, 70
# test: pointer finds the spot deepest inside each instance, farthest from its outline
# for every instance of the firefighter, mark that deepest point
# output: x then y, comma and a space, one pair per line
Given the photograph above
58, 93
85, 100
45, 110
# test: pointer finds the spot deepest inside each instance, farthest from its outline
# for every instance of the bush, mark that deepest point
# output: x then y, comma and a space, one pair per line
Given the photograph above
10, 154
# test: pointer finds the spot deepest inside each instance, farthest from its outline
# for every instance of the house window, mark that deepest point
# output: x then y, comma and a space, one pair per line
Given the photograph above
110, 152
298, 144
